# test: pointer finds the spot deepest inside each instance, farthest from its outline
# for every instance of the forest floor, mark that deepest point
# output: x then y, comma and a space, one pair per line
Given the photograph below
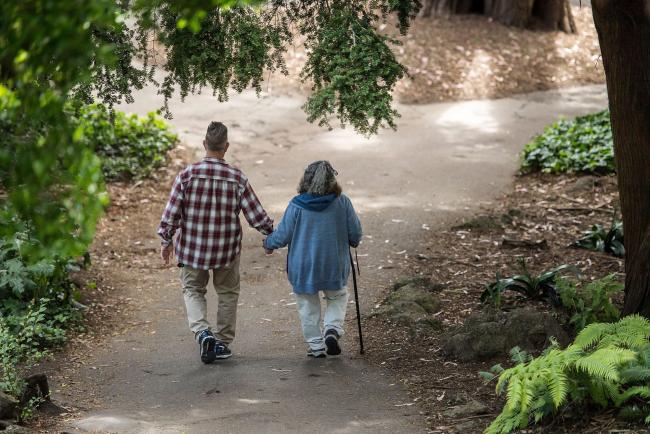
471, 57
550, 211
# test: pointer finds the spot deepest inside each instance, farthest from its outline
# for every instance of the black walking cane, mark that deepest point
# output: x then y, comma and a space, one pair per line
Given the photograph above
356, 299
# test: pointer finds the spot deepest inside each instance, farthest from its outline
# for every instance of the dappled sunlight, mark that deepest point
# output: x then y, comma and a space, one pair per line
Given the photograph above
348, 140
475, 115
479, 76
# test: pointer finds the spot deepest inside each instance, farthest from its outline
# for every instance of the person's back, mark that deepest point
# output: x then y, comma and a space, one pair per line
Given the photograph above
204, 207
319, 226
209, 230
318, 251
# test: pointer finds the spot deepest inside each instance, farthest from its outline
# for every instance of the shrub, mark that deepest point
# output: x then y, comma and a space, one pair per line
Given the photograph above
601, 240
128, 145
581, 145
608, 364
591, 304
541, 287
35, 306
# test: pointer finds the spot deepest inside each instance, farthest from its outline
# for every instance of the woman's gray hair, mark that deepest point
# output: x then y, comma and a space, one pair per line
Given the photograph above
320, 179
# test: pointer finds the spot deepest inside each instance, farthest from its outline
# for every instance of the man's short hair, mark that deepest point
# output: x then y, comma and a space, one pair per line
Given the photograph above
216, 137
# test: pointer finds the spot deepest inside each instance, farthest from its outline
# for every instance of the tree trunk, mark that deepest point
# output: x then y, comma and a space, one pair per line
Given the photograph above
547, 14
624, 33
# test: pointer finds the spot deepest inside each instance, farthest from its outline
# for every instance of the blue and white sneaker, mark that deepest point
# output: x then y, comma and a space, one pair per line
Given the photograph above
222, 351
207, 345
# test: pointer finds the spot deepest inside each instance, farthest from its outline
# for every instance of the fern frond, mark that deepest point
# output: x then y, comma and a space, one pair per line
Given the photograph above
635, 374
504, 423
557, 386
515, 392
604, 363
591, 335
636, 391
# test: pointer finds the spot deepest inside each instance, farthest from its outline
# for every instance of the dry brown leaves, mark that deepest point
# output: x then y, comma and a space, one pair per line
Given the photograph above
555, 209
473, 57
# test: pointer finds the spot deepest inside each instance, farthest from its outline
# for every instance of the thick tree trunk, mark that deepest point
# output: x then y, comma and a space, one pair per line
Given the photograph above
547, 14
624, 33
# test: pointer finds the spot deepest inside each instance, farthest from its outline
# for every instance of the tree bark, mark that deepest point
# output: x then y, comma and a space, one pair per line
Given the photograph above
624, 33
548, 14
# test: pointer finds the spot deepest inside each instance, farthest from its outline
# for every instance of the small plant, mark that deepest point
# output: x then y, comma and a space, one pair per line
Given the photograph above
591, 304
541, 287
602, 240
581, 145
608, 364
517, 356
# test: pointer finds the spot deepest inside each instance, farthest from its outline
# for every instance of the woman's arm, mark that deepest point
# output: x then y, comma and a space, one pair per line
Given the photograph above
354, 225
284, 232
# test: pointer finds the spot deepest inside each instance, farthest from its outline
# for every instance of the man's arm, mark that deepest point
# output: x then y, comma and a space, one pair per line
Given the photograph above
254, 211
171, 217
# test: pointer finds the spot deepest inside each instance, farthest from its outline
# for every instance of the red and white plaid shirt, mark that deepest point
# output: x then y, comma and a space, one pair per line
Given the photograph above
204, 205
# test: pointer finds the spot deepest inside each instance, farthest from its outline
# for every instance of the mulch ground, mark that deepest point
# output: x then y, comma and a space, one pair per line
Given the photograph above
473, 57
550, 209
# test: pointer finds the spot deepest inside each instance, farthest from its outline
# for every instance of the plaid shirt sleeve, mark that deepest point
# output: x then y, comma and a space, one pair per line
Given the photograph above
254, 212
171, 217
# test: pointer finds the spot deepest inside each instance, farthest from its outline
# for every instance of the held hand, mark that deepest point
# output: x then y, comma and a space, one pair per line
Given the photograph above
267, 251
166, 253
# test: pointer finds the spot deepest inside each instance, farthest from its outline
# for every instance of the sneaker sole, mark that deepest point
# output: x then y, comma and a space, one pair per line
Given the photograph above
223, 356
333, 347
317, 356
207, 350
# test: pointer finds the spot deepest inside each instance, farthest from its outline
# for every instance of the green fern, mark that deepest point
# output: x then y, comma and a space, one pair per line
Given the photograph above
607, 364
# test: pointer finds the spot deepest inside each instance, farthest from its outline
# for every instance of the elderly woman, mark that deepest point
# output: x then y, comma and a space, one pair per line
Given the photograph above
319, 226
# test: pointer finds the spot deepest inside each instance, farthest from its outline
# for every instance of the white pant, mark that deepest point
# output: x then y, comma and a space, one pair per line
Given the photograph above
309, 309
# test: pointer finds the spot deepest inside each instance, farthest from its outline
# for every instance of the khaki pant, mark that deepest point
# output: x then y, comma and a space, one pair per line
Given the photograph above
226, 284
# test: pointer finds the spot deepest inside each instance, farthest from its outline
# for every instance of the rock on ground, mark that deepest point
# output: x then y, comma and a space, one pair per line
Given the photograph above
487, 334
411, 304
8, 406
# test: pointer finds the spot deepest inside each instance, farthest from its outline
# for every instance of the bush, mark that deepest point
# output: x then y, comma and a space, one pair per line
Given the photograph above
608, 364
128, 145
35, 306
591, 304
581, 145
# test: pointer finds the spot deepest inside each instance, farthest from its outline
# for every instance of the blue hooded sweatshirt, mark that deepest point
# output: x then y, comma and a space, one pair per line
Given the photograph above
319, 231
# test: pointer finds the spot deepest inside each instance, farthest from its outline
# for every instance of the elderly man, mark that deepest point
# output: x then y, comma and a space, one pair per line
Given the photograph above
204, 207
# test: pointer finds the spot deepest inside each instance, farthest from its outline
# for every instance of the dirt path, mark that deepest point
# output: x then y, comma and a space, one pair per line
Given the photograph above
444, 161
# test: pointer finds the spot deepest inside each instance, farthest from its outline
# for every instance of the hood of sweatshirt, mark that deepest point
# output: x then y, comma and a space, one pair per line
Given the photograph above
313, 202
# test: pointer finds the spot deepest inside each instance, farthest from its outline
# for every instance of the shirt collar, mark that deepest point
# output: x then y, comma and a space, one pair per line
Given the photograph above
214, 160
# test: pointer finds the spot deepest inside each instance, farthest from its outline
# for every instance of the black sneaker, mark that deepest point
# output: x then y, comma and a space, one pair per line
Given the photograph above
317, 354
332, 342
222, 351
207, 344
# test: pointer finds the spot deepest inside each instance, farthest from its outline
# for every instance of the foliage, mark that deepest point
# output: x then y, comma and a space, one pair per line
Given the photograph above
50, 179
581, 145
35, 306
541, 287
53, 52
517, 356
129, 146
608, 364
591, 304
602, 240
25, 336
